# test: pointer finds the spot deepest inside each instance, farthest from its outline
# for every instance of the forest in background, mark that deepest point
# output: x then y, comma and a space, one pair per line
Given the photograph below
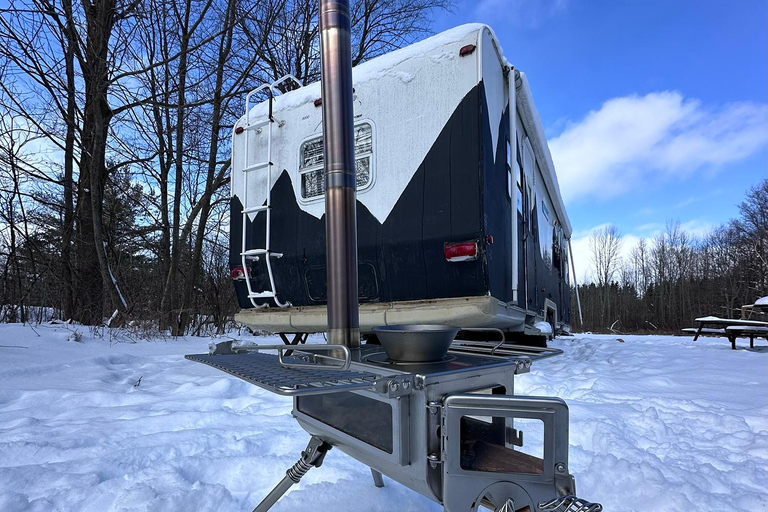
115, 117
672, 278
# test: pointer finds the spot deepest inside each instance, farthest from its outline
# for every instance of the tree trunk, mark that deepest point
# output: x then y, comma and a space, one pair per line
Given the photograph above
100, 18
168, 306
67, 285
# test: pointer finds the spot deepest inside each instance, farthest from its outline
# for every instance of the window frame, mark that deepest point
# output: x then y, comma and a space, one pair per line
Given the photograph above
371, 156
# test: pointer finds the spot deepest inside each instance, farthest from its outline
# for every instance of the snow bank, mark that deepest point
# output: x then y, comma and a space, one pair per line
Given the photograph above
657, 424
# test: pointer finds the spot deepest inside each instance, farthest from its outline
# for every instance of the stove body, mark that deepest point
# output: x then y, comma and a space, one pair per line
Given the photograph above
452, 430
447, 429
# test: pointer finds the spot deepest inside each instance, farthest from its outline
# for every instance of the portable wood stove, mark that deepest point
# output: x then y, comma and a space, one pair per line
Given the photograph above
449, 429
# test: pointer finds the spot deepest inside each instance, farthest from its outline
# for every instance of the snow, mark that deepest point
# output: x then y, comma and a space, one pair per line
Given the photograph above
376, 68
544, 327
715, 319
657, 424
762, 301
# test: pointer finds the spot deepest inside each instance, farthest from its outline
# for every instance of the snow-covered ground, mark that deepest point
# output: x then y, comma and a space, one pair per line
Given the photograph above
657, 424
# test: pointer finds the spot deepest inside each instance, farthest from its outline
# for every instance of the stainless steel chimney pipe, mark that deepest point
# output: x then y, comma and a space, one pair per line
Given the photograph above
339, 147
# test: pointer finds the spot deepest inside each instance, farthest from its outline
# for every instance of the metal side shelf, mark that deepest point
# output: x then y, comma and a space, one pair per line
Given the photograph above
266, 371
504, 349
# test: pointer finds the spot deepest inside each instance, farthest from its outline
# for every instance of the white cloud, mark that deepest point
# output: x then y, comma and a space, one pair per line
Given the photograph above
523, 13
634, 141
697, 228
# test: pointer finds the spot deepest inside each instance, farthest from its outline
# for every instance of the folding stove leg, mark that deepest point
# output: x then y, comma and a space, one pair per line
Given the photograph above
378, 479
311, 457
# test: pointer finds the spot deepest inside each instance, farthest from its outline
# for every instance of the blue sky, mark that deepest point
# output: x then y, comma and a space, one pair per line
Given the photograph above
655, 110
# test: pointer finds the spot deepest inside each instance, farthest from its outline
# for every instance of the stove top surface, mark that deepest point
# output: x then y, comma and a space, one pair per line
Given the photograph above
374, 355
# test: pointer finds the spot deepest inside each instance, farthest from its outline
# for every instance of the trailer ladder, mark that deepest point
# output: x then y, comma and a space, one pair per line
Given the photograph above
266, 251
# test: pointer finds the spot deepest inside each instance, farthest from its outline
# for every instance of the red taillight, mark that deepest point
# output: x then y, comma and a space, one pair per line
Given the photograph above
239, 130
466, 50
318, 102
237, 273
463, 251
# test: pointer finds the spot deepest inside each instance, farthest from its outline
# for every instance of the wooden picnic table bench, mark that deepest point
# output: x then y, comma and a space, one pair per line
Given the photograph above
703, 332
300, 338
736, 331
723, 323
730, 328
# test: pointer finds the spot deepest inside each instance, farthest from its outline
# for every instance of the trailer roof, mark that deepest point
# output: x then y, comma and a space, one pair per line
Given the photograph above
532, 122
374, 69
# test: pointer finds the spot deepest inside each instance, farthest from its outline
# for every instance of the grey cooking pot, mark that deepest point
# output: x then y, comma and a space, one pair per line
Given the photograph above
416, 342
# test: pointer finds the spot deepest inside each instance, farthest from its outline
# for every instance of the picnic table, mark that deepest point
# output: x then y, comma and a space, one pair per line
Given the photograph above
760, 306
735, 331
732, 328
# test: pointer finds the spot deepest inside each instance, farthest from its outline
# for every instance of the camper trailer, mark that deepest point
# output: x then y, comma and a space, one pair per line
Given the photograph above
459, 215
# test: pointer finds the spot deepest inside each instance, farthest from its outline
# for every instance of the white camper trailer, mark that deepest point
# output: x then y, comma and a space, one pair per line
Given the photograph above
459, 214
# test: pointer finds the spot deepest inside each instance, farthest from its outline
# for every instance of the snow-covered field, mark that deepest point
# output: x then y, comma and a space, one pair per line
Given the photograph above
657, 424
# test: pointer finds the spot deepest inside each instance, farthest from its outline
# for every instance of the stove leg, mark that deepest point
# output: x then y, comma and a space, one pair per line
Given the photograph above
378, 479
311, 457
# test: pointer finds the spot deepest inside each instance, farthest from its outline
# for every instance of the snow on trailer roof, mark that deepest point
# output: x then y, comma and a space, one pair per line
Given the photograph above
374, 69
442, 47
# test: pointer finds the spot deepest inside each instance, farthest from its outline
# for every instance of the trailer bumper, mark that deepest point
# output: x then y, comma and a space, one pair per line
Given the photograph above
462, 312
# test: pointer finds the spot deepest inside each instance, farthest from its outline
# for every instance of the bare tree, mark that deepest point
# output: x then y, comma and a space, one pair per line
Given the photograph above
133, 92
752, 231
605, 245
46, 43
290, 46
640, 266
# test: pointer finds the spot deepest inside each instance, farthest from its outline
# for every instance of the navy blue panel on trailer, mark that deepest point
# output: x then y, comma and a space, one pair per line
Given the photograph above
497, 208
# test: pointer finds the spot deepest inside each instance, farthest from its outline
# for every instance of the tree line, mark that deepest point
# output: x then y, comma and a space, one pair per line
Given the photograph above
669, 280
115, 118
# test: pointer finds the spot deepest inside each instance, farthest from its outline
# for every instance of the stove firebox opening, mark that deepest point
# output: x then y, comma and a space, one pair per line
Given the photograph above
486, 447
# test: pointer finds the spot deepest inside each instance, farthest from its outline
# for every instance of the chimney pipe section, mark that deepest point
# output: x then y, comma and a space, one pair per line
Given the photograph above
340, 180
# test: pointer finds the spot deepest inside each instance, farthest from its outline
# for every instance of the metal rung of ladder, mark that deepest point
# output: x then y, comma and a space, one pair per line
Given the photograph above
246, 253
254, 209
256, 167
261, 295
259, 125
259, 252
254, 252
